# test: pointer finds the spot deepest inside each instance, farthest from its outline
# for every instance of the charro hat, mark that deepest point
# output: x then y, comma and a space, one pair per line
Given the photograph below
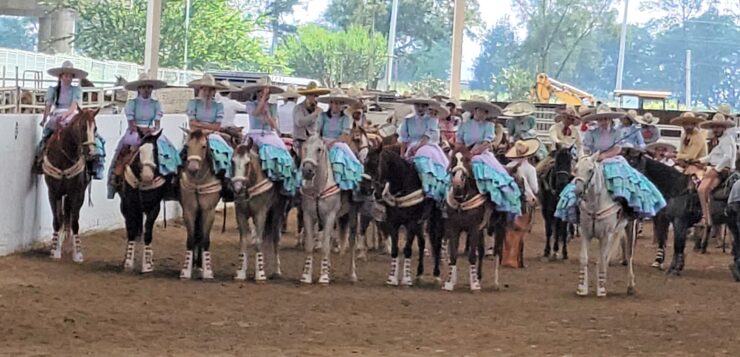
67, 67
143, 81
523, 148
264, 82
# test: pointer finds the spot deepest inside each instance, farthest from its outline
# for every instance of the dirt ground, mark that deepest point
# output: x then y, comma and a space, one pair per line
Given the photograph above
61, 308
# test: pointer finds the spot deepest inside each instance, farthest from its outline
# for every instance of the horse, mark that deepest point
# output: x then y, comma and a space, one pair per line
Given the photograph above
69, 151
465, 205
141, 193
682, 210
602, 218
552, 181
200, 191
258, 198
324, 205
399, 188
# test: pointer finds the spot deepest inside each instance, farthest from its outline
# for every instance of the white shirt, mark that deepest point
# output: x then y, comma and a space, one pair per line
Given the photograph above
529, 175
285, 117
230, 108
724, 154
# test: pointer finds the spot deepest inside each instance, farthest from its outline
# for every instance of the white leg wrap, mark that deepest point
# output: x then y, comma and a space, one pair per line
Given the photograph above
187, 266
393, 274
407, 281
207, 270
449, 284
474, 282
56, 246
324, 277
307, 276
241, 273
128, 261
583, 282
77, 256
259, 267
147, 262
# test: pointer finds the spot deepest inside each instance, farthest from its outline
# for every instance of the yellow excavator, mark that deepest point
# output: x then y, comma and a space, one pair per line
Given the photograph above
546, 88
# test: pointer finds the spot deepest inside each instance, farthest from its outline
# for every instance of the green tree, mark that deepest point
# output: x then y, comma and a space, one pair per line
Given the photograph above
218, 35
18, 32
499, 50
429, 86
420, 64
516, 83
351, 56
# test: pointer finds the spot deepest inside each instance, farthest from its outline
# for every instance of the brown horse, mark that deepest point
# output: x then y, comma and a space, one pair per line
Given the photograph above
65, 159
200, 191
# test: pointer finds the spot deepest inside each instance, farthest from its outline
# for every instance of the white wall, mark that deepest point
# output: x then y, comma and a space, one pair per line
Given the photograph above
25, 215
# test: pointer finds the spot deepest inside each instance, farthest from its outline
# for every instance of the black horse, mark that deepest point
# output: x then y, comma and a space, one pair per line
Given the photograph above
552, 181
682, 210
396, 186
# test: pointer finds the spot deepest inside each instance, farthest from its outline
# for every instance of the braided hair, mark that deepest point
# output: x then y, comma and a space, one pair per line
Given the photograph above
58, 89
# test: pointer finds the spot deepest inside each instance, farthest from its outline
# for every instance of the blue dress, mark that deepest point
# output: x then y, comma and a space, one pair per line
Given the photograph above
146, 113
429, 160
347, 168
631, 137
622, 180
491, 177
277, 163
213, 113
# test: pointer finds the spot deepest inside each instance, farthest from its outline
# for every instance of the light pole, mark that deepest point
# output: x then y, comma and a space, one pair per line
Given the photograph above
187, 29
151, 48
391, 45
457, 41
622, 44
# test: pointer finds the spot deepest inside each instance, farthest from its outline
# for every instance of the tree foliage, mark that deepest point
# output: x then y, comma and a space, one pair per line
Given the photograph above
18, 33
499, 50
347, 56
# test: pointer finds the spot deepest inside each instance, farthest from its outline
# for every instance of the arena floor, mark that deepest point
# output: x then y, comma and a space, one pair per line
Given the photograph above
60, 308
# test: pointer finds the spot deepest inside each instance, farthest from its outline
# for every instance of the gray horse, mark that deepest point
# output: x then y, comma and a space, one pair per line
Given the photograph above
600, 218
324, 205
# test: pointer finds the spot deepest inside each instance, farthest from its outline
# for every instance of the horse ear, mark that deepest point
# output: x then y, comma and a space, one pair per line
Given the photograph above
95, 112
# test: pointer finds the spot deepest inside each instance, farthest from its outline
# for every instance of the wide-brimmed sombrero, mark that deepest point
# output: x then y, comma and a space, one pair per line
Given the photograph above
603, 112
419, 100
493, 109
519, 109
687, 118
718, 119
726, 110
290, 93
228, 87
338, 95
67, 67
648, 119
144, 81
523, 148
264, 82
440, 108
313, 89
206, 82
568, 112
358, 94
657, 145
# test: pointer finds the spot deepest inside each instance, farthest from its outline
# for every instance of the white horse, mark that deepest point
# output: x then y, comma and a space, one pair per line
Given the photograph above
601, 217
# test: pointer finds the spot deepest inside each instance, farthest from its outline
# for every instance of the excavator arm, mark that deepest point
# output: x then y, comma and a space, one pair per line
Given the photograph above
545, 88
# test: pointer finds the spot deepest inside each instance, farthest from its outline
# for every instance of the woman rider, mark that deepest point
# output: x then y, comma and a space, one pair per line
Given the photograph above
419, 138
335, 126
623, 182
143, 114
62, 103
474, 139
263, 131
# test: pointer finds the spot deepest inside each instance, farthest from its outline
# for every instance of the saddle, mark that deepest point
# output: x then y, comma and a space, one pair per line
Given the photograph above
232, 135
124, 157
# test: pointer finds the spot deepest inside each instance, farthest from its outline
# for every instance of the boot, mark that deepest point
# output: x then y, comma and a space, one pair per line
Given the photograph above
324, 277
56, 247
407, 273
393, 274
241, 273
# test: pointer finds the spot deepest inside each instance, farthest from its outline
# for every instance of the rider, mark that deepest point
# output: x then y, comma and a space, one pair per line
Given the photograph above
285, 110
335, 127
419, 138
450, 123
650, 132
662, 152
306, 114
623, 182
263, 131
143, 114
564, 133
693, 142
519, 166
231, 107
474, 140
522, 123
631, 134
62, 103
720, 161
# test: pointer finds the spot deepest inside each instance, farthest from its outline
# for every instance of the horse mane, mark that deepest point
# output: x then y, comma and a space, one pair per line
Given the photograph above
197, 134
398, 171
668, 180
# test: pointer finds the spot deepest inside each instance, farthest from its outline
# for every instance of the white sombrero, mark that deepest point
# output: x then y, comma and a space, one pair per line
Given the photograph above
493, 109
656, 145
313, 89
419, 100
358, 94
144, 81
523, 148
207, 81
603, 112
229, 87
67, 67
569, 112
338, 95
262, 83
687, 118
440, 108
648, 119
519, 109
726, 110
290, 93
718, 119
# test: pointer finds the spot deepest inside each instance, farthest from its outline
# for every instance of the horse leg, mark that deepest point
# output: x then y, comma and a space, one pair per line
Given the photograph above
549, 223
260, 220
453, 239
583, 273
147, 261
276, 235
348, 232
362, 245
324, 277
208, 216
242, 222
309, 229
602, 264
680, 230
413, 231
423, 251
393, 274
561, 235
73, 224
660, 232
498, 248
132, 231
436, 231
301, 228
473, 242
190, 218
734, 226
631, 242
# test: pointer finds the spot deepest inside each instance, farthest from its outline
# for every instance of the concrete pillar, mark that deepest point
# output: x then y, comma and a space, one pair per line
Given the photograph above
457, 43
151, 48
45, 34
62, 30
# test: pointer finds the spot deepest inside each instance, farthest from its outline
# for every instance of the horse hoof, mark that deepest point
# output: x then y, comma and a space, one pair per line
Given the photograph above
657, 265
306, 280
353, 279
437, 280
186, 274
407, 282
240, 275
448, 287
623, 262
601, 293
392, 281
362, 256
324, 280
582, 291
553, 257
631, 290
276, 276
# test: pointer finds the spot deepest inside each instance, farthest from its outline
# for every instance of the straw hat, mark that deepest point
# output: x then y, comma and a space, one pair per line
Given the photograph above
657, 145
338, 95
603, 112
313, 89
290, 93
229, 87
143, 81
718, 119
67, 67
358, 94
687, 118
440, 108
519, 109
726, 110
523, 148
419, 100
264, 82
207, 81
357, 107
480, 102
568, 112
441, 98
648, 119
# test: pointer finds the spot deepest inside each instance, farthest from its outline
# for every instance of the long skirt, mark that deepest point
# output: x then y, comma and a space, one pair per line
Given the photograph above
493, 180
431, 164
347, 168
622, 181
277, 163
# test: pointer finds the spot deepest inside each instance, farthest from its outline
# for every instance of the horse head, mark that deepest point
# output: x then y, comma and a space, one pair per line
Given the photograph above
85, 128
147, 156
247, 168
196, 148
586, 170
461, 172
313, 161
562, 168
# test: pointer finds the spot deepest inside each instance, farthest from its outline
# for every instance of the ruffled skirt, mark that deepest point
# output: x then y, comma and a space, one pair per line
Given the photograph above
431, 164
346, 167
493, 180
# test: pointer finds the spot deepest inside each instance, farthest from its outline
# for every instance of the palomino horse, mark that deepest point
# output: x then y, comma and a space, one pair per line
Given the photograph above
200, 191
465, 206
552, 181
258, 198
65, 160
601, 218
141, 194
324, 204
